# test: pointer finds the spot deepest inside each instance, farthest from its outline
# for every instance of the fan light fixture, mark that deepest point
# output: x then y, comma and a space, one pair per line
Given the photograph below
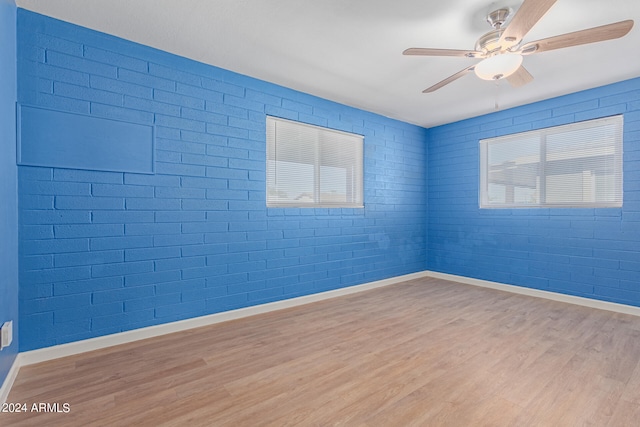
498, 66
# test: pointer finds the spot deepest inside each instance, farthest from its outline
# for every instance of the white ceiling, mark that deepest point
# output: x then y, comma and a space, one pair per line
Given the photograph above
349, 51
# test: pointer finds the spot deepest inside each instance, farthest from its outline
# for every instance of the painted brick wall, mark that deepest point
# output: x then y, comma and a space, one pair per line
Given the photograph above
104, 252
8, 182
592, 253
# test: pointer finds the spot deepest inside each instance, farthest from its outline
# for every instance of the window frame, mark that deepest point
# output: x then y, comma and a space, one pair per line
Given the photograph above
357, 182
543, 134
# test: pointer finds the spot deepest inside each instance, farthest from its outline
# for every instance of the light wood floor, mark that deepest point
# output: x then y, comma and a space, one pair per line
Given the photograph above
425, 353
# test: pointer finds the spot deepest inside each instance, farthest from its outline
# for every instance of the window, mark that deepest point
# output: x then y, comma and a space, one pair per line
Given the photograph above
310, 166
576, 165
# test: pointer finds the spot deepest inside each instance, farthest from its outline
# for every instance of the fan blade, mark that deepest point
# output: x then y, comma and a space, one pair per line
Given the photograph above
442, 52
448, 80
591, 35
520, 78
525, 18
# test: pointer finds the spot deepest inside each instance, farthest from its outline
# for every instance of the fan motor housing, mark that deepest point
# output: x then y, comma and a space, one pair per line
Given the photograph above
490, 41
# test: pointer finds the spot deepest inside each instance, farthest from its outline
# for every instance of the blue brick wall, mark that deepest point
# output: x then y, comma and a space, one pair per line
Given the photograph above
8, 183
591, 253
104, 252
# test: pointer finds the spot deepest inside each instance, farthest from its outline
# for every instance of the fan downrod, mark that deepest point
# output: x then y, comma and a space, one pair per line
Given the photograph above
498, 17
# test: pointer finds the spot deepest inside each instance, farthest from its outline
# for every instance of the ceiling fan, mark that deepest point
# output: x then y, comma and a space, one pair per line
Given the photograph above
502, 50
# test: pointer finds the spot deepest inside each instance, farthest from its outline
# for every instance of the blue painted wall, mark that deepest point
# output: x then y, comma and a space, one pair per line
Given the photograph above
591, 253
8, 182
103, 252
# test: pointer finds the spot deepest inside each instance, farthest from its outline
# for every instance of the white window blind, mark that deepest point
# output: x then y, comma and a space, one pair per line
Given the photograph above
311, 166
575, 165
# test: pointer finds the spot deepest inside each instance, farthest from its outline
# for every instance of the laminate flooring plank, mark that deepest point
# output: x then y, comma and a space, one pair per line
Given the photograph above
424, 352
627, 414
632, 389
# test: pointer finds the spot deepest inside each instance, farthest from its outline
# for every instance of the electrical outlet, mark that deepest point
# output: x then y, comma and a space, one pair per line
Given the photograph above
6, 333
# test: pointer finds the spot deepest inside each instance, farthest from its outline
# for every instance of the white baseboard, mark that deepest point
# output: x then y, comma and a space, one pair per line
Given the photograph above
8, 381
570, 299
55, 352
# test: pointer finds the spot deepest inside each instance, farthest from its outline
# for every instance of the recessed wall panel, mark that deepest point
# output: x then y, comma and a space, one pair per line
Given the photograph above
74, 141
